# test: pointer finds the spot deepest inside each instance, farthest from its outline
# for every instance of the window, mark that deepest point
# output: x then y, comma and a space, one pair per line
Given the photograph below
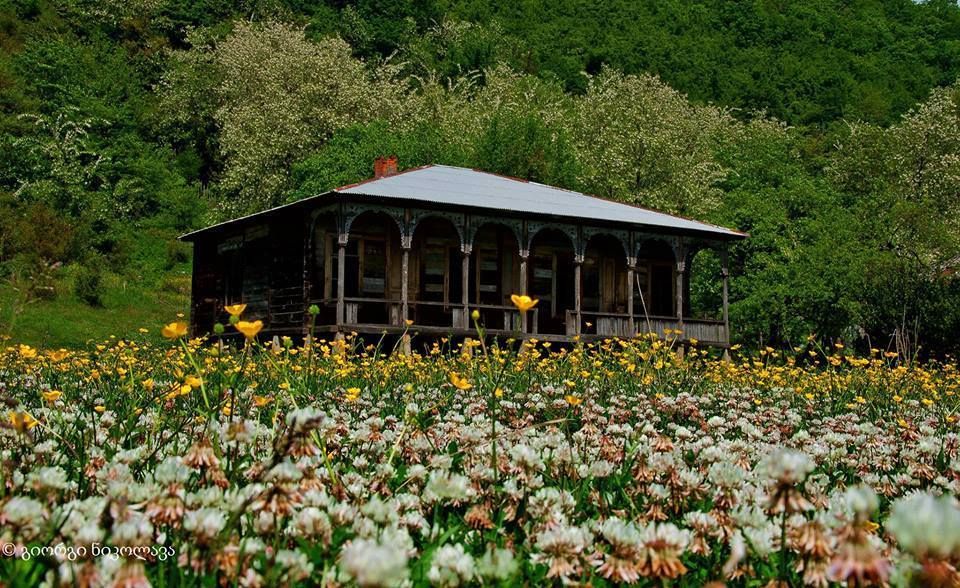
543, 284
433, 274
590, 292
661, 289
488, 274
374, 270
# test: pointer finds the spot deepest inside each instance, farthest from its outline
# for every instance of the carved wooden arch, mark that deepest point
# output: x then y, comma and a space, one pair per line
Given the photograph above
571, 231
622, 236
695, 246
478, 222
675, 243
331, 209
352, 212
457, 219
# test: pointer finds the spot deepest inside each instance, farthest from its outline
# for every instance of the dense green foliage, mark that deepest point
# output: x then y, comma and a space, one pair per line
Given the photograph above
830, 131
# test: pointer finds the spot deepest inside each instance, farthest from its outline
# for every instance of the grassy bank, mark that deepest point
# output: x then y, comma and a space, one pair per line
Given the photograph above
127, 304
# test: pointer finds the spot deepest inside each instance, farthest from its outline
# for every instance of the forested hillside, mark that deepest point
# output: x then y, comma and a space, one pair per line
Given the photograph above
829, 130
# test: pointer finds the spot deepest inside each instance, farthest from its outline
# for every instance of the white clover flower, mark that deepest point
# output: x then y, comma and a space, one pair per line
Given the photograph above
924, 524
761, 539
22, 511
378, 510
447, 486
312, 522
205, 523
89, 533
417, 472
284, 472
525, 457
371, 563
451, 566
601, 468
726, 474
787, 466
305, 419
620, 533
50, 478
296, 564
171, 471
135, 529
861, 500
575, 538
441, 461
497, 565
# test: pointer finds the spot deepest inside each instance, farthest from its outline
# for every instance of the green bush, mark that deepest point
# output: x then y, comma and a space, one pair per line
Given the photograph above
88, 285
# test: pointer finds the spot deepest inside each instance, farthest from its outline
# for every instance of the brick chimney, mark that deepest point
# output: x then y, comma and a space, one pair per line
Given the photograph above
384, 166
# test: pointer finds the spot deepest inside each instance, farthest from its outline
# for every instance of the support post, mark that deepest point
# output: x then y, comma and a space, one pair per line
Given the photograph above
404, 278
465, 281
577, 288
524, 255
681, 270
342, 239
631, 268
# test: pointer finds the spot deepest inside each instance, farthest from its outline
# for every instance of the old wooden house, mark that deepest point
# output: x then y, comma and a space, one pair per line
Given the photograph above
417, 251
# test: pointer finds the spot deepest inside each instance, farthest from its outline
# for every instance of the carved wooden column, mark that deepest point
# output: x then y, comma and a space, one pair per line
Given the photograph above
342, 239
465, 281
524, 255
681, 269
405, 243
631, 269
577, 291
680, 255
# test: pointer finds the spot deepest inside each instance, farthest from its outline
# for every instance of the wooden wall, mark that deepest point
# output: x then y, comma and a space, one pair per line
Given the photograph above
259, 264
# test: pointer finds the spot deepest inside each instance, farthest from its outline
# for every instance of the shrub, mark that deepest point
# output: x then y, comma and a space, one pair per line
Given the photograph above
88, 285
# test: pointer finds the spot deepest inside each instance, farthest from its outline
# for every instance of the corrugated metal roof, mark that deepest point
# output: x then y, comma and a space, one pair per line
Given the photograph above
457, 186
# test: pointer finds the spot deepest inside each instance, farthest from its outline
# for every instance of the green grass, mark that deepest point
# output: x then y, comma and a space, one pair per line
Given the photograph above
65, 321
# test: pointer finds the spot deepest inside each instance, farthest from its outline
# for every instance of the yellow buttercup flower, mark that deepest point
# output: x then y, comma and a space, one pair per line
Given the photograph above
235, 309
573, 399
261, 401
459, 383
99, 408
52, 396
352, 394
523, 302
174, 330
249, 329
21, 421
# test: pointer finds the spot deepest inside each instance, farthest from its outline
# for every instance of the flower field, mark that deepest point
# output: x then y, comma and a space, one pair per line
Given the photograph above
257, 463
